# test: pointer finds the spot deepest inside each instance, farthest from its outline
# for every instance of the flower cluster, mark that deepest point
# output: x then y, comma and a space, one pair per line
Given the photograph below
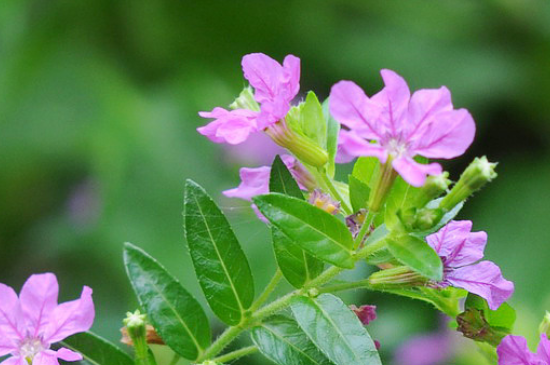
32, 322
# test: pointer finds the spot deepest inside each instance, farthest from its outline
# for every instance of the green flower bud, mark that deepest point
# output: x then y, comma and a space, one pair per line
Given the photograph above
304, 148
427, 218
433, 188
476, 175
545, 325
136, 326
396, 277
246, 100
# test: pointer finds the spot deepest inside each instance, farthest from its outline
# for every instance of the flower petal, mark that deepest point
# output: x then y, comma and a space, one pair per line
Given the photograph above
351, 107
38, 299
231, 127
543, 351
47, 357
254, 181
513, 350
447, 136
71, 317
413, 172
394, 99
291, 69
11, 327
14, 361
264, 74
484, 279
68, 355
350, 145
424, 107
457, 245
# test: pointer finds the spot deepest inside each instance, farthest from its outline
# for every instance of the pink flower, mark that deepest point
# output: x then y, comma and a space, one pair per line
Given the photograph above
459, 249
255, 181
30, 324
275, 86
365, 313
394, 123
513, 350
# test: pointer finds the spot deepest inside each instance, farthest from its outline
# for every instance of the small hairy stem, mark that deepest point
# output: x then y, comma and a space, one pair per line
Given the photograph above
335, 193
175, 359
225, 339
273, 307
345, 286
365, 228
235, 354
268, 290
370, 249
324, 277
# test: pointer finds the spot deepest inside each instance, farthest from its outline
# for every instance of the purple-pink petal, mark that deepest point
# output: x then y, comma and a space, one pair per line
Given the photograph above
448, 136
543, 350
424, 107
231, 127
254, 181
71, 317
513, 350
10, 312
457, 245
413, 172
351, 107
395, 98
350, 146
47, 357
291, 68
484, 279
14, 361
38, 298
68, 355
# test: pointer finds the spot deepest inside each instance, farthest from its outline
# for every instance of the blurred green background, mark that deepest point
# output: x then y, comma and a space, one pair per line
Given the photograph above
98, 110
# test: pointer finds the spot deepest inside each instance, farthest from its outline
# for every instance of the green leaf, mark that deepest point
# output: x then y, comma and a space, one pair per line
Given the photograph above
313, 121
333, 130
366, 169
281, 180
399, 195
503, 317
175, 314
335, 330
220, 263
358, 193
281, 340
297, 266
96, 350
316, 231
416, 254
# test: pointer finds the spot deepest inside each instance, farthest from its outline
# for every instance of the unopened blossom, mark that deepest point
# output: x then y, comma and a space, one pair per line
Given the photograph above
513, 350
366, 313
255, 181
275, 86
393, 124
459, 249
32, 322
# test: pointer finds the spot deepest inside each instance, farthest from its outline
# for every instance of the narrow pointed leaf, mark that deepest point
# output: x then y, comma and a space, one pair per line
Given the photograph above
175, 314
335, 330
96, 350
416, 254
297, 266
358, 193
333, 129
220, 263
281, 340
313, 121
316, 231
281, 180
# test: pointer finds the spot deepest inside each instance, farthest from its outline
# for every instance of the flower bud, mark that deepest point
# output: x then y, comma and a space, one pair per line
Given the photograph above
136, 328
305, 149
473, 325
545, 325
245, 100
435, 186
151, 336
427, 218
476, 175
324, 201
365, 313
401, 276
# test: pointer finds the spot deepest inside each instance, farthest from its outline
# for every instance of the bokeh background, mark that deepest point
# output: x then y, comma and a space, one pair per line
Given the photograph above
98, 110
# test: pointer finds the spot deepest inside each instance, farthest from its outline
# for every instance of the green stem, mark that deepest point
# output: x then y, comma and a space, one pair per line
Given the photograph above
334, 192
217, 346
273, 307
344, 286
363, 232
235, 354
268, 290
175, 359
323, 278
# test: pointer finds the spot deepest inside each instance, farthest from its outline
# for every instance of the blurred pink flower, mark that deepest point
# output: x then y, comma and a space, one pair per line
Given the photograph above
513, 350
459, 248
258, 149
275, 86
394, 123
32, 322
